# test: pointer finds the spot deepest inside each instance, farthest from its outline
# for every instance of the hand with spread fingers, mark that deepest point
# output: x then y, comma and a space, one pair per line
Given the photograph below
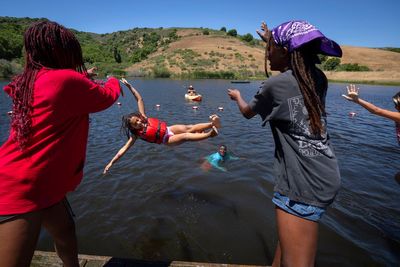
264, 33
352, 93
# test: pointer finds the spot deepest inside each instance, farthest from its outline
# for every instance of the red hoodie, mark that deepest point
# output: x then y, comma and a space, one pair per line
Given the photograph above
52, 163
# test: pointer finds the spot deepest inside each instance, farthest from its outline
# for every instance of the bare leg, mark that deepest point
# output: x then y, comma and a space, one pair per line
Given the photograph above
196, 128
277, 257
191, 128
297, 240
59, 223
18, 239
183, 137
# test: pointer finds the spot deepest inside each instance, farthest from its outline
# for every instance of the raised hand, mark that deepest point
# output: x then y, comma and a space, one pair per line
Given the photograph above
264, 33
234, 94
352, 93
124, 81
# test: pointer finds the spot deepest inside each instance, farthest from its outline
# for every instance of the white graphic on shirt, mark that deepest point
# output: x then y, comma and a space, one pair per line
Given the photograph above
309, 145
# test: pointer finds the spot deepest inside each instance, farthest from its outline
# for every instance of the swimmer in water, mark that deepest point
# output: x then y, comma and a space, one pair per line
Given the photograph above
218, 158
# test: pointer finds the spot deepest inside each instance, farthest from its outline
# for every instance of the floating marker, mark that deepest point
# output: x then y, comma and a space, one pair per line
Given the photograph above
220, 108
10, 112
195, 107
119, 103
352, 114
158, 105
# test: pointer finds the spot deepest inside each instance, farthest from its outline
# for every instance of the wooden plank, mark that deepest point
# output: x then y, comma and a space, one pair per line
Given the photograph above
51, 259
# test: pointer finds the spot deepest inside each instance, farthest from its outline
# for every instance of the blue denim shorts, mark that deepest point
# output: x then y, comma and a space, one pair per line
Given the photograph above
305, 211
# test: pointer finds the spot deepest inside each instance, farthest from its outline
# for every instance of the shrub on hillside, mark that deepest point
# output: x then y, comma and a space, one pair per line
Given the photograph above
9, 68
223, 29
247, 37
352, 67
206, 32
160, 72
331, 63
232, 32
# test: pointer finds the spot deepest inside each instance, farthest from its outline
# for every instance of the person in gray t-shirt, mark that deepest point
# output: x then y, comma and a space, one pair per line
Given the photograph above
293, 102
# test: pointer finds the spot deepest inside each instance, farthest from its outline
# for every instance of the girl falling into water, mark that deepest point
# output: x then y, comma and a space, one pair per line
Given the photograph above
138, 125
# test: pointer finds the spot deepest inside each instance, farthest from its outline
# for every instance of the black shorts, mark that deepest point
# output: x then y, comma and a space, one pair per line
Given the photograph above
64, 201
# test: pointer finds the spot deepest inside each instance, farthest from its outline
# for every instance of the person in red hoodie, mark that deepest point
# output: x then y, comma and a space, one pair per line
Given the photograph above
43, 158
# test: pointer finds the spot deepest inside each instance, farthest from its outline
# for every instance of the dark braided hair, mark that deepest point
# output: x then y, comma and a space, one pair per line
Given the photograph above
50, 45
303, 64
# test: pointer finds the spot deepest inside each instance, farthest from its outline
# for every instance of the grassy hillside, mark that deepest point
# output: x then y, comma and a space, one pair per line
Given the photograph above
192, 53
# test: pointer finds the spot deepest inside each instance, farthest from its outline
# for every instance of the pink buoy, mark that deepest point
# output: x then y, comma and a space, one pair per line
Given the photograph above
352, 114
195, 107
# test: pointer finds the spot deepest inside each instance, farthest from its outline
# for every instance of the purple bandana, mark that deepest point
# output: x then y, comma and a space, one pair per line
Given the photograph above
296, 33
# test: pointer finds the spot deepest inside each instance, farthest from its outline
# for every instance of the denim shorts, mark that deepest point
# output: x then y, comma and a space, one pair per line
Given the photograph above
305, 211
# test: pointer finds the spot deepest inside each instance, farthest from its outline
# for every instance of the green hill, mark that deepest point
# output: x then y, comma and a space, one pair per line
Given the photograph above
111, 53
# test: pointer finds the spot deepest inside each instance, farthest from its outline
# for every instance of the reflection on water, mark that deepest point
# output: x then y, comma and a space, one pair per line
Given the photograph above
158, 203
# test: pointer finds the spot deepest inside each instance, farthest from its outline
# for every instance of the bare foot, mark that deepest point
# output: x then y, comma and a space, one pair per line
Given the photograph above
215, 120
214, 131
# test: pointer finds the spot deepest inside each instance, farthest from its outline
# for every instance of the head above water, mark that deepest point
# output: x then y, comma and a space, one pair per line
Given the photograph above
222, 150
47, 44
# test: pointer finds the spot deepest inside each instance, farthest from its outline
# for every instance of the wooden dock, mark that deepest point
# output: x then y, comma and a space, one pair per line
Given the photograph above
50, 259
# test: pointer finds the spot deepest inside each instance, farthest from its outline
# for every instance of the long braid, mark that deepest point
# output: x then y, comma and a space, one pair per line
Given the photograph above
305, 72
47, 44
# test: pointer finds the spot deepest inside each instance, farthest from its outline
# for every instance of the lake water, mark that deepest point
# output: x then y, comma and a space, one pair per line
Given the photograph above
159, 204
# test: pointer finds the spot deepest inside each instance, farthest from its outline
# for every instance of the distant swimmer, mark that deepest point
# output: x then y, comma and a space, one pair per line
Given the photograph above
138, 125
218, 158
353, 95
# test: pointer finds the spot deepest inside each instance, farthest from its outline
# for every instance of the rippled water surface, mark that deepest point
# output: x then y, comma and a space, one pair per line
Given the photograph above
159, 204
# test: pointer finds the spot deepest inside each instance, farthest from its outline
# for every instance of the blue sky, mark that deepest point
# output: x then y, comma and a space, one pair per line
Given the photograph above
369, 23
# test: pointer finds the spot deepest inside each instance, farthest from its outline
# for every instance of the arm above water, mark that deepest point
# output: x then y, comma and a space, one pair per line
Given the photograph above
244, 108
353, 95
120, 153
136, 94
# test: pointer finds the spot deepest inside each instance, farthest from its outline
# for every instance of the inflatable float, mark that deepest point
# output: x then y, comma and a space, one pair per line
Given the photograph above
193, 97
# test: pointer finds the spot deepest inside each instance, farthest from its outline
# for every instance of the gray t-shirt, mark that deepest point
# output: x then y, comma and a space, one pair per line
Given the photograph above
305, 164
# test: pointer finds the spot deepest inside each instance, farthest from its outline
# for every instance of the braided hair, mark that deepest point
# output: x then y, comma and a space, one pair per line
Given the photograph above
303, 64
50, 45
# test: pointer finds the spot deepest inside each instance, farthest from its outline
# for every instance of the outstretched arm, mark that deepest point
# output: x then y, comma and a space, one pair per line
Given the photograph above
244, 108
352, 95
136, 94
120, 153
